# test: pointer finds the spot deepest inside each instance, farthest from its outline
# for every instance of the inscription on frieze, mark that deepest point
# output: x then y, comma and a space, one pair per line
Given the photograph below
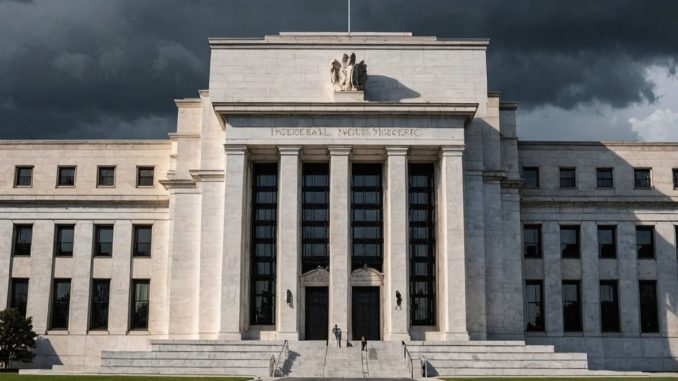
346, 132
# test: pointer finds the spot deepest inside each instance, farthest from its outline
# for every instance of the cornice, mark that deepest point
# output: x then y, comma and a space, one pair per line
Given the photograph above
178, 184
207, 175
464, 110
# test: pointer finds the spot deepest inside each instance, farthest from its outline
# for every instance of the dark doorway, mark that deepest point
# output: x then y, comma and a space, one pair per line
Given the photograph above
365, 315
316, 313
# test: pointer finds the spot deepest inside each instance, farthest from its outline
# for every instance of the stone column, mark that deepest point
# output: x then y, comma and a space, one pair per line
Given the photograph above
396, 263
628, 279
5, 262
451, 240
553, 290
340, 253
590, 279
82, 274
667, 277
40, 283
233, 292
118, 321
288, 243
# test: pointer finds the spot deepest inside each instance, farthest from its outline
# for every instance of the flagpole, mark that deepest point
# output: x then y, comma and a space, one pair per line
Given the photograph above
349, 17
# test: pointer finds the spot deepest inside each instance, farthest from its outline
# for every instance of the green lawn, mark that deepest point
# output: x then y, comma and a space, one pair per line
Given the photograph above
18, 377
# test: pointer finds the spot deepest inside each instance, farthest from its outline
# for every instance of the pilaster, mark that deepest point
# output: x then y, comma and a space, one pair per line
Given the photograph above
82, 274
553, 306
5, 262
340, 256
590, 283
452, 261
288, 244
396, 253
121, 278
39, 285
233, 266
628, 279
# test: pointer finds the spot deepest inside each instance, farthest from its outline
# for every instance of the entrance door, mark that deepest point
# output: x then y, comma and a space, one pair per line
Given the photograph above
366, 319
316, 313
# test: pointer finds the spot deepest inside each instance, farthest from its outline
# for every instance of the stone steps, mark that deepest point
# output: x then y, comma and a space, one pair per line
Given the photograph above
194, 357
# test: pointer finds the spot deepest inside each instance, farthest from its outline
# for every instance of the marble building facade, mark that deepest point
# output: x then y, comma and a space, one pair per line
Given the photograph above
283, 205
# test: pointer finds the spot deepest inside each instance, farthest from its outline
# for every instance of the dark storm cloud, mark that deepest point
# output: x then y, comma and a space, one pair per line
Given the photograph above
102, 68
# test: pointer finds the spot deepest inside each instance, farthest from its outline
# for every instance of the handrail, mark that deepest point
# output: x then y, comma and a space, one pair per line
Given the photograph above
365, 363
275, 365
408, 357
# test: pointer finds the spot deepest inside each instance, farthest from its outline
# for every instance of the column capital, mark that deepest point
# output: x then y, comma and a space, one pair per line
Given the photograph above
455, 150
339, 150
397, 150
235, 149
289, 150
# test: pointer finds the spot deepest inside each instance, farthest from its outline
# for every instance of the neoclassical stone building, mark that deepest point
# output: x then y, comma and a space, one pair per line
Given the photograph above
289, 201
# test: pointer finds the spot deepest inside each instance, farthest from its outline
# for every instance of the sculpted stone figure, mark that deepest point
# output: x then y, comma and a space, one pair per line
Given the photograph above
347, 75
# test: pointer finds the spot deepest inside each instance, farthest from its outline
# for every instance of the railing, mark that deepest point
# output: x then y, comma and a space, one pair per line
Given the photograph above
275, 365
408, 358
365, 362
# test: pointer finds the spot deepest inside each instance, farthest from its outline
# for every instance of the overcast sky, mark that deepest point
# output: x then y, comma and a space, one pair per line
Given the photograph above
581, 69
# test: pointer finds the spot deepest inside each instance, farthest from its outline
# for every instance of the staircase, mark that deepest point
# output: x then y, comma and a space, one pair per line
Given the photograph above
196, 357
496, 358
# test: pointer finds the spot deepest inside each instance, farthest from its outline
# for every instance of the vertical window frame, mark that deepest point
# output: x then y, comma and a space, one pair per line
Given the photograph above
428, 280
601, 250
636, 171
135, 302
540, 327
53, 304
21, 249
95, 305
649, 314
12, 301
376, 208
577, 230
135, 240
601, 170
17, 175
527, 169
65, 167
58, 229
614, 326
97, 252
577, 306
310, 257
642, 249
114, 168
561, 171
540, 243
139, 177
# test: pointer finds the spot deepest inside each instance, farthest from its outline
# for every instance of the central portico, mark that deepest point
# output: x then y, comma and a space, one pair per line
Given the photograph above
331, 190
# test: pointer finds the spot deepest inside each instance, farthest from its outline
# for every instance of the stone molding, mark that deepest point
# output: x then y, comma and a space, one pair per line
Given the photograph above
236, 149
452, 150
397, 150
207, 175
316, 278
178, 184
464, 110
289, 150
339, 150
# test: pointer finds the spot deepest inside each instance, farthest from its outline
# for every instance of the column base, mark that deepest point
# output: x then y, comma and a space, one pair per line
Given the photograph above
397, 337
230, 336
455, 336
290, 336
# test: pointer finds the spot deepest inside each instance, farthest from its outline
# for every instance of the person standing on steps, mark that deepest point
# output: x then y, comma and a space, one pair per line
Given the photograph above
337, 335
363, 344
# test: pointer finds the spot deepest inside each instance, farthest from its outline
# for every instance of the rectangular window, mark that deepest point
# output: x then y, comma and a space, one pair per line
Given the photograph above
366, 216
645, 242
66, 176
143, 235
145, 176
141, 291
315, 216
641, 178
263, 247
61, 300
98, 318
532, 241
569, 241
607, 241
531, 177
106, 176
422, 243
568, 178
19, 295
64, 240
649, 317
675, 178
103, 240
604, 178
609, 306
571, 306
21, 241
23, 176
534, 305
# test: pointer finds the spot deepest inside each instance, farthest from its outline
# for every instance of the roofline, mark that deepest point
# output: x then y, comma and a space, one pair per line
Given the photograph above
312, 39
600, 144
